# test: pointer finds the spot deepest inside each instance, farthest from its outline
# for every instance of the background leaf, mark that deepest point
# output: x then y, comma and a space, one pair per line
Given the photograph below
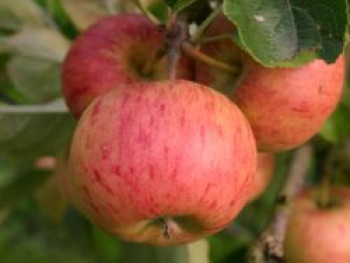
36, 79
22, 187
170, 3
193, 253
29, 136
35, 66
337, 127
39, 43
15, 14
85, 12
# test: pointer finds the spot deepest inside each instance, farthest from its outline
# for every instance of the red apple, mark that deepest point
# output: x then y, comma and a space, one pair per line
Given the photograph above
264, 172
319, 235
112, 52
163, 163
285, 106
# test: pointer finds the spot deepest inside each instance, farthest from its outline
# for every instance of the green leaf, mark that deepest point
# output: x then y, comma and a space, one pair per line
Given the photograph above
266, 28
337, 127
85, 12
170, 3
35, 67
330, 18
21, 188
158, 8
222, 245
275, 33
29, 136
36, 79
39, 43
108, 246
17, 13
192, 253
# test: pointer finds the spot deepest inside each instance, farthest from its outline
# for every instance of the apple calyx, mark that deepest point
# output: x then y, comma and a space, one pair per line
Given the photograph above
163, 222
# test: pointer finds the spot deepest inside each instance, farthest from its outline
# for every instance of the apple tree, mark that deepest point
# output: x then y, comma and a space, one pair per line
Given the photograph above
174, 131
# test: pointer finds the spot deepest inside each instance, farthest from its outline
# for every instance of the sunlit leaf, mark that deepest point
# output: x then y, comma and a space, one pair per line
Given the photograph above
15, 14
39, 43
36, 79
85, 12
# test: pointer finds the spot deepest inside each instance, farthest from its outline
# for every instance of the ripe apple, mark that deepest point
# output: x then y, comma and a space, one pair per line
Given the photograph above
112, 52
163, 163
264, 172
285, 106
319, 235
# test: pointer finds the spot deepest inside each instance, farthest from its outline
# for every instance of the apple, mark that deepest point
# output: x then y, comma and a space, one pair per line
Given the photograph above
319, 235
264, 172
285, 106
116, 50
163, 163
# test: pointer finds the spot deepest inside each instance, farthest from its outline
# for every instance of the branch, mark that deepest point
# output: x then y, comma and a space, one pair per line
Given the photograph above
144, 10
199, 56
201, 29
269, 247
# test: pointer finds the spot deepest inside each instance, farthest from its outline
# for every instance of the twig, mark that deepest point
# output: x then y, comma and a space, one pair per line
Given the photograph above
144, 10
201, 57
214, 38
269, 247
201, 29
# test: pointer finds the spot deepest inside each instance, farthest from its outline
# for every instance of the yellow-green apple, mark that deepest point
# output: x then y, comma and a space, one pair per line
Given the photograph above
163, 163
285, 106
116, 50
319, 235
264, 172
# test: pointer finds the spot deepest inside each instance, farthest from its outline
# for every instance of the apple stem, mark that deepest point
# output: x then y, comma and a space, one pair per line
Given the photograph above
164, 222
176, 33
173, 59
215, 38
203, 27
198, 55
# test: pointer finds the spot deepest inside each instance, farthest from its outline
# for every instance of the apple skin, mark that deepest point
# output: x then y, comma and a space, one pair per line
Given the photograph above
285, 106
173, 150
110, 53
264, 172
319, 235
